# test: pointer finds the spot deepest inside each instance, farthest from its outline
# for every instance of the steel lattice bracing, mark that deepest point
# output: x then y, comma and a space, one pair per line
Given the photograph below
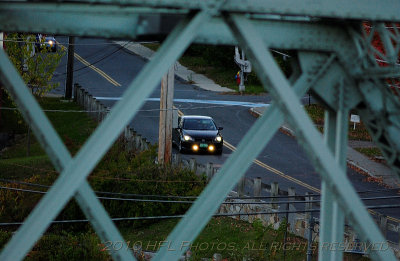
336, 60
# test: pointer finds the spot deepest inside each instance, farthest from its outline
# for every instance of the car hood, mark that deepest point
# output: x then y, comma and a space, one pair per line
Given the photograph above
201, 134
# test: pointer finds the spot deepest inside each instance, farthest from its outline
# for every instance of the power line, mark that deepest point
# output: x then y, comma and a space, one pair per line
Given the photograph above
98, 192
15, 109
148, 110
181, 216
190, 202
101, 59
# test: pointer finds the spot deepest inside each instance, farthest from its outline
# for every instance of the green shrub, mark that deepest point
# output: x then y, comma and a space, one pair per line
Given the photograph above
214, 55
140, 175
64, 246
119, 172
11, 121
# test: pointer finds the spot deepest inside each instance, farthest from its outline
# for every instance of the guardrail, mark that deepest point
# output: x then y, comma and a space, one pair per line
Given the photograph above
99, 111
297, 210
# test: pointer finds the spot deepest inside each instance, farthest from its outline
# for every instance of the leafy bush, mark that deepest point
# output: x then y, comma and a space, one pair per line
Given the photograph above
139, 174
214, 55
119, 172
64, 246
11, 121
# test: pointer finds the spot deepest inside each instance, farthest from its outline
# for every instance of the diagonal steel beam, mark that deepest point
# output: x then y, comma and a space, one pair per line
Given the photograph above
329, 169
59, 156
232, 170
79, 168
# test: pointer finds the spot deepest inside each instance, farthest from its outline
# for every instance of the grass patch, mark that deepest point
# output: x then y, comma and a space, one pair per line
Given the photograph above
83, 246
360, 133
72, 127
25, 167
316, 113
152, 46
233, 239
370, 152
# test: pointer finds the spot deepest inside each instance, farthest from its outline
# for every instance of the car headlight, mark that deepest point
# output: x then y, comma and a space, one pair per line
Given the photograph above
218, 138
51, 42
187, 137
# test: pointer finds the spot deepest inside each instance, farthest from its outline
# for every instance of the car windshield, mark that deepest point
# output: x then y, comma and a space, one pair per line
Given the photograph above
199, 124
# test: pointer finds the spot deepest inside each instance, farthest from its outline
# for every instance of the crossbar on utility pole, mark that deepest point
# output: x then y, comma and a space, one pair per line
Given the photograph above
165, 125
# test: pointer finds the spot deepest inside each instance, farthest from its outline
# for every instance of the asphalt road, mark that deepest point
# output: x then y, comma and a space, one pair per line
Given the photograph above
115, 68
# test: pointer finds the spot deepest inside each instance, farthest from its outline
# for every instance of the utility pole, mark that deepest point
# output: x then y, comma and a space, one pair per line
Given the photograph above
70, 68
165, 126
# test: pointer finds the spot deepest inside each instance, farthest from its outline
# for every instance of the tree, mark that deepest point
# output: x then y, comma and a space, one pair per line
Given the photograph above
36, 65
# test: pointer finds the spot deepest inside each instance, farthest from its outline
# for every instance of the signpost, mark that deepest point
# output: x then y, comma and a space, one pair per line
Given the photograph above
245, 67
354, 119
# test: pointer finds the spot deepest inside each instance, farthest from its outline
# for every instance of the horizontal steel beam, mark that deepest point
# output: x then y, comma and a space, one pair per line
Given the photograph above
373, 10
136, 23
106, 21
142, 19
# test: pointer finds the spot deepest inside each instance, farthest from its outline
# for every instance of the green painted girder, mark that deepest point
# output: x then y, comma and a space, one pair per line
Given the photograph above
331, 91
380, 111
107, 21
333, 38
379, 108
115, 20
336, 139
77, 169
270, 75
381, 10
327, 197
367, 90
131, 23
326, 89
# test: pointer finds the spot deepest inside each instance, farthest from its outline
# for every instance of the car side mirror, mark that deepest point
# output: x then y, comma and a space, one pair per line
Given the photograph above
220, 128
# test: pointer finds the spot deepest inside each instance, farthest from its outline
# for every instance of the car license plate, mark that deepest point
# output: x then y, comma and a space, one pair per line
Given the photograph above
203, 145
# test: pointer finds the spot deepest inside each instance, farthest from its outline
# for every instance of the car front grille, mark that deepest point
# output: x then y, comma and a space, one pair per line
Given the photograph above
204, 140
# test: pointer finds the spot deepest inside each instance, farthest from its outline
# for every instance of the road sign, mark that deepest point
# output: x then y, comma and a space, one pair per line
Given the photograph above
354, 119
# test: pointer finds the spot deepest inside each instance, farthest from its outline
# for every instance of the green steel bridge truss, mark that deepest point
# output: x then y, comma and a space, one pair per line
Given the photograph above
335, 59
